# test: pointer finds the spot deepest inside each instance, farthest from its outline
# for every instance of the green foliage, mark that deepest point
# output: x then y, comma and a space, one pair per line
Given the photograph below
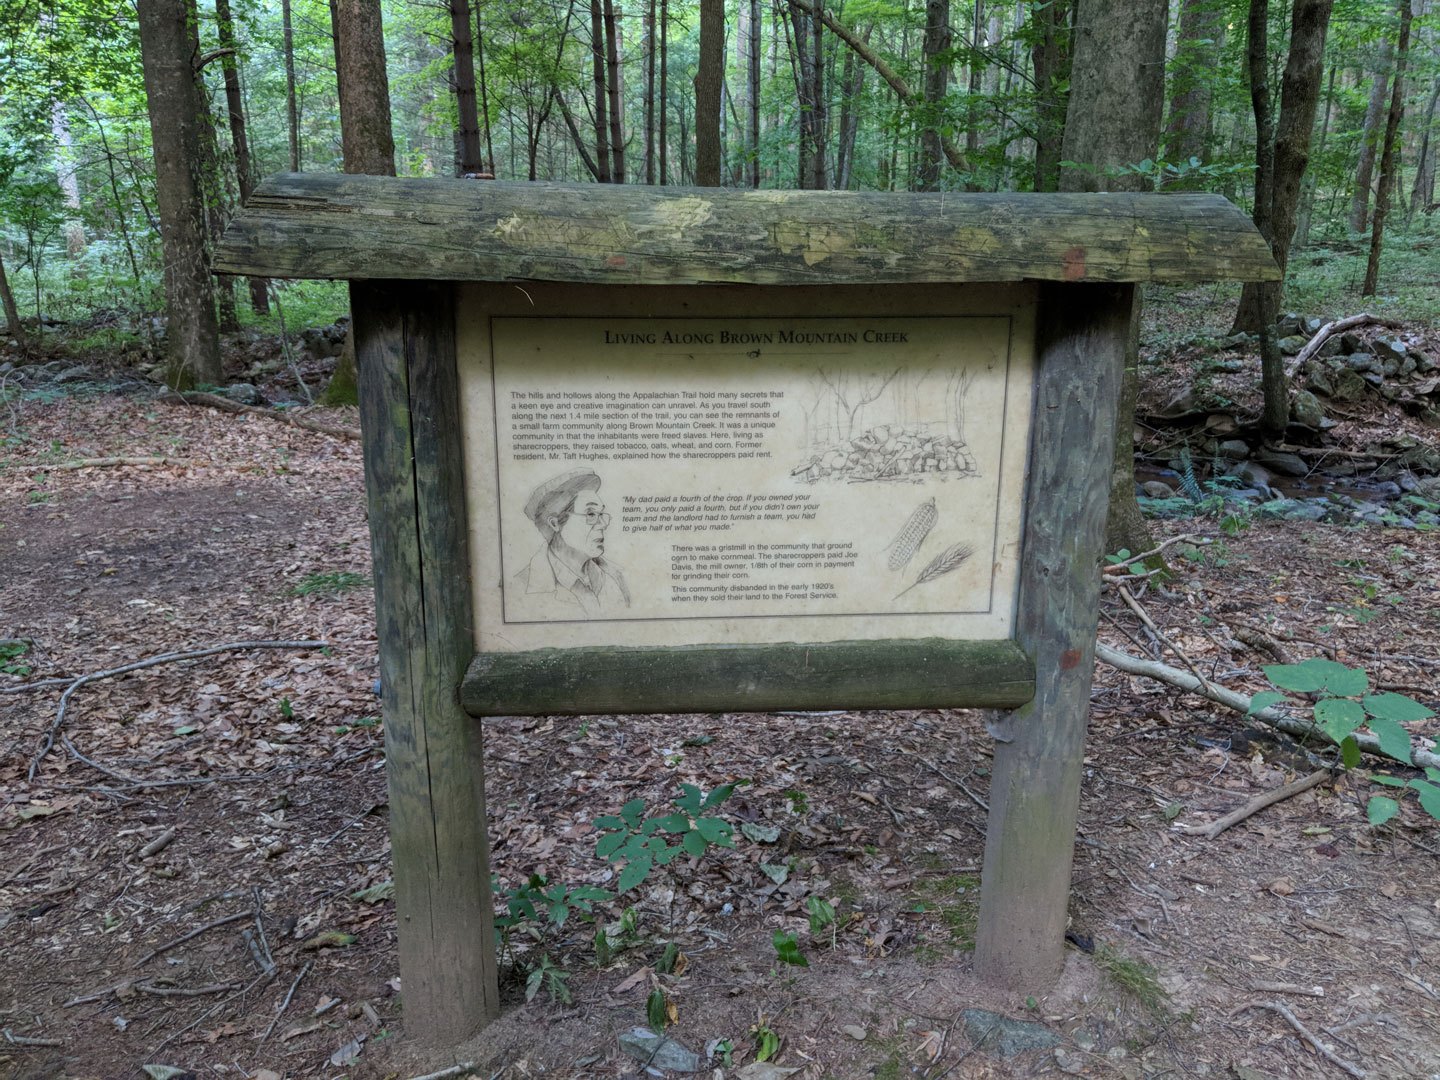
822, 915
538, 900
657, 1011
329, 583
1135, 977
10, 652
640, 843
787, 949
547, 975
1344, 705
767, 1042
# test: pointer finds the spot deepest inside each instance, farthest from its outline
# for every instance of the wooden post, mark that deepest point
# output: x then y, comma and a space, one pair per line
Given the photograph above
414, 479
1040, 747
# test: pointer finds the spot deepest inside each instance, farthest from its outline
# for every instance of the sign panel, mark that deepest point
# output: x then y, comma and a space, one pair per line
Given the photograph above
689, 480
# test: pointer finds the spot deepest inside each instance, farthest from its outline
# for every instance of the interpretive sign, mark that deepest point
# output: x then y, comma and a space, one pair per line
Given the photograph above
633, 449
689, 480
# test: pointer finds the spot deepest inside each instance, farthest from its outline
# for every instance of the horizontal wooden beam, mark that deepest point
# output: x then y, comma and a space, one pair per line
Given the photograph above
901, 674
324, 225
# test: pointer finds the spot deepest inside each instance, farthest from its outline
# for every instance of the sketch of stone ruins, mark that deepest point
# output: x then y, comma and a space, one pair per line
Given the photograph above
902, 425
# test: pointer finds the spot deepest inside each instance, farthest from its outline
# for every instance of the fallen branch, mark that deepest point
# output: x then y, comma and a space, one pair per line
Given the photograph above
1255, 805
192, 934
180, 991
286, 1003
1153, 669
1123, 566
113, 462
27, 1040
285, 416
154, 661
454, 1070
1306, 1034
1329, 330
154, 847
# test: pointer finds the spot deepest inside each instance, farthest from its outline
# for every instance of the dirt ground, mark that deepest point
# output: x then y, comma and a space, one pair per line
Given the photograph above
240, 798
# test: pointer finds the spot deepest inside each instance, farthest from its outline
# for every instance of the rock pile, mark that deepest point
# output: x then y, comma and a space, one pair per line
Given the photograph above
888, 453
324, 341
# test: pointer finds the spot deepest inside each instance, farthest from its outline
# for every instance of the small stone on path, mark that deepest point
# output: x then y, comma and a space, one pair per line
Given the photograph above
1004, 1035
659, 1051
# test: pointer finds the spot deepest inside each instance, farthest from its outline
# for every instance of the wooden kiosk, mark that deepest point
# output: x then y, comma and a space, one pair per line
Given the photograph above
636, 449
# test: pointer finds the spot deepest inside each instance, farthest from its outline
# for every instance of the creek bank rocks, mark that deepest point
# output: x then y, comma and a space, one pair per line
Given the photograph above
322, 342
886, 453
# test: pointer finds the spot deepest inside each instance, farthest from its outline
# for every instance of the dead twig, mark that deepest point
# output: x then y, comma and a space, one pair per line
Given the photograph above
1255, 805
976, 799
113, 462
1123, 566
453, 1070
1231, 699
28, 1040
224, 921
1305, 1033
182, 991
286, 1003
159, 844
154, 661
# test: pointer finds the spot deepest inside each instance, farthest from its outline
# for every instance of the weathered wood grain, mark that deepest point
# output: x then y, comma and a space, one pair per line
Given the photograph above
317, 225
1040, 748
409, 411
899, 674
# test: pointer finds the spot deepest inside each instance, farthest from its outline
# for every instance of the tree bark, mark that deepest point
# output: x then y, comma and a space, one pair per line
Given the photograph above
597, 78
1050, 59
808, 19
1187, 135
616, 90
292, 104
649, 121
366, 137
1369, 138
235, 109
1389, 167
1422, 193
177, 115
975, 78
663, 104
1307, 189
936, 52
1117, 92
709, 75
12, 311
462, 44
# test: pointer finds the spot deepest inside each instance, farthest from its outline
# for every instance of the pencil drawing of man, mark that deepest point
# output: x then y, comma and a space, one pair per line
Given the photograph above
569, 577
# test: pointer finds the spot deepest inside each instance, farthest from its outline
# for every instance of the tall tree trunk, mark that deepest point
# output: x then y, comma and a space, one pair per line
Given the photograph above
616, 89
462, 43
974, 81
744, 41
1280, 172
709, 74
1369, 138
1422, 194
292, 103
235, 110
663, 103
1307, 190
1187, 135
13, 326
597, 66
808, 20
1389, 166
852, 78
752, 76
936, 52
66, 178
1050, 58
214, 184
366, 137
1113, 118
484, 93
649, 91
168, 46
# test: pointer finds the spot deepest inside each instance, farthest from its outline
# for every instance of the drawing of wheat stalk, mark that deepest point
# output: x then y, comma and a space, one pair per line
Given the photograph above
949, 560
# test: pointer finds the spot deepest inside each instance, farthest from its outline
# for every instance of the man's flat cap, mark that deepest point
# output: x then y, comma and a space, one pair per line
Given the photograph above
557, 493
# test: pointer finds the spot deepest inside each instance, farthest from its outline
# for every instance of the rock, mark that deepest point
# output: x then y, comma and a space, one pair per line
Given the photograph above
1182, 404
1374, 378
1154, 489
1361, 361
1256, 476
1427, 487
1320, 380
765, 1070
1290, 346
1243, 495
1389, 366
1307, 410
1283, 463
1237, 341
1287, 324
1294, 509
1230, 365
1221, 424
1348, 385
1407, 367
1423, 364
1424, 459
1233, 450
244, 393
72, 374
1391, 348
1070, 1063
1330, 347
1003, 1035
658, 1051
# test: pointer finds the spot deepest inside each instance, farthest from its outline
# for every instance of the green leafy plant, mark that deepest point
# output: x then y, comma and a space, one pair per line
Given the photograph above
547, 975
537, 899
10, 653
822, 916
640, 842
767, 1043
1344, 705
657, 1011
787, 949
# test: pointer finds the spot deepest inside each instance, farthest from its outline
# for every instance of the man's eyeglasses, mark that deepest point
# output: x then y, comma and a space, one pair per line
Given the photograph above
592, 517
